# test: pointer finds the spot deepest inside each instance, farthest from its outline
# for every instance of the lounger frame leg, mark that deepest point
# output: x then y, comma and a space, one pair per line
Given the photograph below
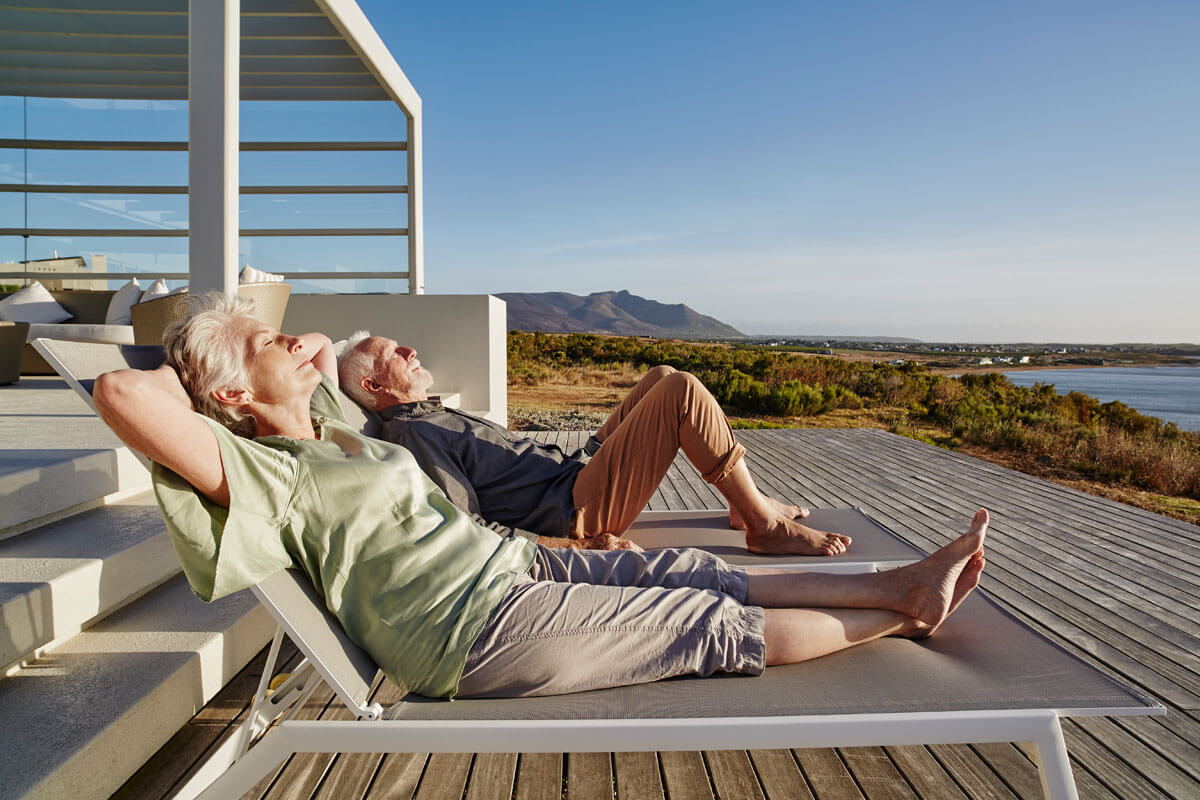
264, 710
1049, 753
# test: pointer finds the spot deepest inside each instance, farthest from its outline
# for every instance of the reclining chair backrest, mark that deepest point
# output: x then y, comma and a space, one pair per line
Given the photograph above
300, 611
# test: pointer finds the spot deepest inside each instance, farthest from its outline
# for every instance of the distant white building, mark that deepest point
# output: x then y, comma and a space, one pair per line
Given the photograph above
984, 362
70, 264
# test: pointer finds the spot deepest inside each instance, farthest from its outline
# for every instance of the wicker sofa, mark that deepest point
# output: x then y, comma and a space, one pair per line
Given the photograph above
87, 307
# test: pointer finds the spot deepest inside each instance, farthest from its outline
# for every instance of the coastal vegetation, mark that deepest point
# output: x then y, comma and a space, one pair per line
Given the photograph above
1106, 448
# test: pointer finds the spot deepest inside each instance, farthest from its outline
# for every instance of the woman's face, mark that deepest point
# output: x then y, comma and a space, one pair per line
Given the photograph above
279, 367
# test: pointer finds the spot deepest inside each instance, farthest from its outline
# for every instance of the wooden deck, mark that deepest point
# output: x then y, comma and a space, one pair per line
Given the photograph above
1115, 585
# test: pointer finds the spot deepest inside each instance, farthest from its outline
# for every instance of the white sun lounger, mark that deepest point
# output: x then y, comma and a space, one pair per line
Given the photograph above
986, 677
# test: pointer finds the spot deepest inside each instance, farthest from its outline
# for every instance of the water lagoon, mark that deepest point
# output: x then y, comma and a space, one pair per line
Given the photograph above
1170, 393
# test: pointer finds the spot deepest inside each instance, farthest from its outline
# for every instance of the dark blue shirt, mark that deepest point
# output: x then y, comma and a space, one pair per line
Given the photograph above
509, 483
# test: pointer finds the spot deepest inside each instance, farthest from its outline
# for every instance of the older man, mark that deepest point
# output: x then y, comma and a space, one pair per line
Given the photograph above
584, 499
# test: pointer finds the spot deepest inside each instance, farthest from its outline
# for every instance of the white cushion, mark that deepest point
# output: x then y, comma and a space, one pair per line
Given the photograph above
32, 304
107, 334
252, 275
118, 307
156, 289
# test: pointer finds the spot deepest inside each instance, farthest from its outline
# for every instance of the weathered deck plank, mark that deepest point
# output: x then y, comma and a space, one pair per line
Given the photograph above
1115, 585
780, 775
685, 775
589, 776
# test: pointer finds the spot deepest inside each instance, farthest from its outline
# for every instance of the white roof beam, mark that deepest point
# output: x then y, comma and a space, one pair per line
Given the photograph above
213, 136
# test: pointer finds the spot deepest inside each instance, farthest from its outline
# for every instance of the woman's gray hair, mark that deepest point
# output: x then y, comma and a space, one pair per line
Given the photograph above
353, 366
208, 356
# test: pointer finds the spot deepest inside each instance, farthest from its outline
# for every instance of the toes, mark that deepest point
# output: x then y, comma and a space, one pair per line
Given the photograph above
835, 544
802, 513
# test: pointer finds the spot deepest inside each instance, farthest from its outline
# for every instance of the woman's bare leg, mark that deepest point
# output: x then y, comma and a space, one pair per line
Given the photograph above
799, 634
926, 591
912, 601
771, 527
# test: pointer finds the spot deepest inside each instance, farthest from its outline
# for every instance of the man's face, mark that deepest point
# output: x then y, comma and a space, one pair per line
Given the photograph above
397, 369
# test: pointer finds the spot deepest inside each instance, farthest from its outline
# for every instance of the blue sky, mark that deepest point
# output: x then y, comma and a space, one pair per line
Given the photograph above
937, 170
946, 171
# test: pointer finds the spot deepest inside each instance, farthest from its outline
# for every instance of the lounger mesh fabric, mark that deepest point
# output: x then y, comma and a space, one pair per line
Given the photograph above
969, 665
709, 530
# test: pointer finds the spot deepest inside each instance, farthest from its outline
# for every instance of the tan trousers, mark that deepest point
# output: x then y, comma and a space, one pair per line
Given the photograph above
667, 411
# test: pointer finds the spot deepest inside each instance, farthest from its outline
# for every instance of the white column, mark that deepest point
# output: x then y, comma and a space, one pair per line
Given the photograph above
214, 77
416, 232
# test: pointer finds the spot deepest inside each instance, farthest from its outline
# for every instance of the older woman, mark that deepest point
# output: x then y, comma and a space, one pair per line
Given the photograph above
269, 476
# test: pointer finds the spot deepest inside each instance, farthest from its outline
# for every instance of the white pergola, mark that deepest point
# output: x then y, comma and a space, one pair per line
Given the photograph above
212, 53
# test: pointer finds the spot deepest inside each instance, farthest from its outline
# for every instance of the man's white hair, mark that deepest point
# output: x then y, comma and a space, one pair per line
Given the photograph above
208, 356
353, 366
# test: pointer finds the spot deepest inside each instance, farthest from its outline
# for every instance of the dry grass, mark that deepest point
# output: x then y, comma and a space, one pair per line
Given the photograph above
590, 388
600, 388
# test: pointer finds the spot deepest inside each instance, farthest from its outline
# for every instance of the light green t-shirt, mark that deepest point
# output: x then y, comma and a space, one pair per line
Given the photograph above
411, 577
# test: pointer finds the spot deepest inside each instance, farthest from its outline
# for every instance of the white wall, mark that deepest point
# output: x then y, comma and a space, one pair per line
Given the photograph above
461, 338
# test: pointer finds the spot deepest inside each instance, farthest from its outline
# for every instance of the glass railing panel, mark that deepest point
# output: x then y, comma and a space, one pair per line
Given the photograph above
105, 168
90, 211
131, 120
338, 121
328, 168
324, 211
326, 254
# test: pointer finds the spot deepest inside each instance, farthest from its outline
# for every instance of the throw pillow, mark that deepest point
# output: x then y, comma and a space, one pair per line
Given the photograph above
252, 275
118, 307
156, 289
32, 304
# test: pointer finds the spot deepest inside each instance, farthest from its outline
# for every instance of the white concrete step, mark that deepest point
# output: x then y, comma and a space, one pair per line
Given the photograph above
80, 720
56, 456
40, 486
56, 579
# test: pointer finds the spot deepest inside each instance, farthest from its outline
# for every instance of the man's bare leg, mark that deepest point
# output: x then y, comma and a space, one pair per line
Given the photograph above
927, 591
635, 395
770, 526
913, 601
787, 509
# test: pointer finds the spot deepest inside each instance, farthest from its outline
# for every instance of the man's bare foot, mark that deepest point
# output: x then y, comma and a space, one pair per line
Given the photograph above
786, 536
786, 509
931, 589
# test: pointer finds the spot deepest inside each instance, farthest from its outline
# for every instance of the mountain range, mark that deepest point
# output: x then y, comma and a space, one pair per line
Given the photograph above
618, 313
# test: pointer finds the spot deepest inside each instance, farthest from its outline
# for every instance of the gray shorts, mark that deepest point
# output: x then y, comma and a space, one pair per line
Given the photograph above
584, 619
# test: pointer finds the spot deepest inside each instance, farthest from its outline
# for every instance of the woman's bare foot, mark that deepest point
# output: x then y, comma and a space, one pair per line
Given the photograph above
968, 579
783, 535
786, 509
931, 589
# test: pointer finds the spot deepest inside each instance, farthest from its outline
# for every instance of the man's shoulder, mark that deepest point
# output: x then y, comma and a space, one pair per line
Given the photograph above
428, 418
